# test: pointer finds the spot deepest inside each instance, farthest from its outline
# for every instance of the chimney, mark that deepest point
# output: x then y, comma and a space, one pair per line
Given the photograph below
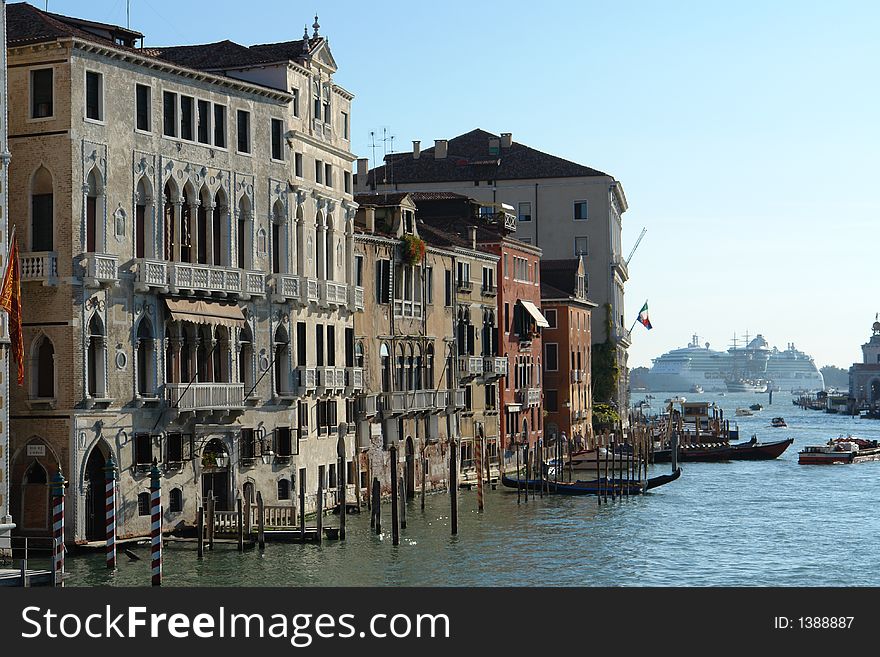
440, 149
506, 139
473, 233
360, 178
417, 151
370, 219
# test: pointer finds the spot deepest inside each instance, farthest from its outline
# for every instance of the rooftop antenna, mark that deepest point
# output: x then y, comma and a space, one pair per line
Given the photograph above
128, 14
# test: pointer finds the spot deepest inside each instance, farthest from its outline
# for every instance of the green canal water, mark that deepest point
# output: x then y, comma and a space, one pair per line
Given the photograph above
724, 524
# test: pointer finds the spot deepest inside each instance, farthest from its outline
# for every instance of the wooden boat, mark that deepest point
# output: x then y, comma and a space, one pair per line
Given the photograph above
742, 412
778, 422
840, 450
593, 487
586, 460
756, 407
750, 451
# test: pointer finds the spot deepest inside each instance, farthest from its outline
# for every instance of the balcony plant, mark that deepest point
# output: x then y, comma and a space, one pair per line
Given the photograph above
413, 249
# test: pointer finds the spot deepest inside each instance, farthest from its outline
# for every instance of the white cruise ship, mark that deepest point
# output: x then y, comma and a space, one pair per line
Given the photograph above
680, 370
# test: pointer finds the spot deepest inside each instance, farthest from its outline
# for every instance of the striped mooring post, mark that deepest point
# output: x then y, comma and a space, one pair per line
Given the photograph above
57, 493
156, 525
110, 510
478, 459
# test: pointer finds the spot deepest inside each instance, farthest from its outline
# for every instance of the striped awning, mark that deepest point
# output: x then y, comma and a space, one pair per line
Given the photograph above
532, 309
198, 311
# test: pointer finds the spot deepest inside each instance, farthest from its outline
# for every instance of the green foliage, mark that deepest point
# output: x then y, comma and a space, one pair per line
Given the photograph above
604, 416
603, 365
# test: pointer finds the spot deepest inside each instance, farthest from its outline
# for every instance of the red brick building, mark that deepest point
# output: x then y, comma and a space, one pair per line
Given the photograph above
567, 384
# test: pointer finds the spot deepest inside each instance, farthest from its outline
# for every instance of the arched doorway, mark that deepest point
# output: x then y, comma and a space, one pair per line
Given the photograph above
34, 498
215, 473
410, 469
95, 485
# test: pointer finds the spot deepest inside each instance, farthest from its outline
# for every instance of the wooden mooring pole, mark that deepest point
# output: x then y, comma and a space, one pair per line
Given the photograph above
302, 505
57, 489
201, 533
341, 495
395, 529
518, 476
319, 512
240, 517
377, 505
402, 496
110, 510
478, 456
155, 525
261, 522
211, 519
453, 487
424, 477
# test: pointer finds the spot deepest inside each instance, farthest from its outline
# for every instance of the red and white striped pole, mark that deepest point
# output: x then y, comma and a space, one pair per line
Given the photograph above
156, 525
478, 454
110, 510
58, 527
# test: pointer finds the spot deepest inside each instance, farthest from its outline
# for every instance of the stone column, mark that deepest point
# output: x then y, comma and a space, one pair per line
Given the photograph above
209, 234
178, 230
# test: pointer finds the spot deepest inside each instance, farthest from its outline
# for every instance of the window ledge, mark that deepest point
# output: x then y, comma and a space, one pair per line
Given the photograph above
42, 403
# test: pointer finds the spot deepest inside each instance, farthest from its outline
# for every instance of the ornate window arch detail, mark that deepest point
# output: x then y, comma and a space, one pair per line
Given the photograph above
281, 346
245, 233
42, 237
43, 367
96, 358
246, 354
145, 358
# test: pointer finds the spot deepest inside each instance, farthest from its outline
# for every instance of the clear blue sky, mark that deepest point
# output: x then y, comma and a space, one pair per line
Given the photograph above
745, 134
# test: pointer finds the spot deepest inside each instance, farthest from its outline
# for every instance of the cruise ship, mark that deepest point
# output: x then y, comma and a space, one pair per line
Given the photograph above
756, 367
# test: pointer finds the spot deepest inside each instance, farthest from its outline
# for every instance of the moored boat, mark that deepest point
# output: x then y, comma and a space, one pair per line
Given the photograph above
750, 451
743, 412
603, 485
778, 422
840, 450
756, 407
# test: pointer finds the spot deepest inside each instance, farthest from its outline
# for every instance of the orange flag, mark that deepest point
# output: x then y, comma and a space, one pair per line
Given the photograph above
10, 301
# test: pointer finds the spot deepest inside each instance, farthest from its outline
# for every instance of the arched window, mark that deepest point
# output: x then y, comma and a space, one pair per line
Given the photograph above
221, 355
279, 235
220, 232
245, 234
143, 234
284, 489
320, 256
282, 360
143, 504
170, 359
168, 217
44, 371
175, 500
36, 474
385, 356
204, 366
359, 354
417, 369
245, 358
146, 359
400, 379
329, 250
94, 211
42, 211
187, 225
430, 384
97, 356
300, 242
204, 253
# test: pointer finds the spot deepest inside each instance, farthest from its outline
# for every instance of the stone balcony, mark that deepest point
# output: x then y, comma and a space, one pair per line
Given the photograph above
355, 298
354, 378
494, 366
41, 266
367, 405
528, 396
205, 396
184, 277
408, 402
408, 309
470, 366
307, 379
330, 378
286, 287
100, 269
332, 294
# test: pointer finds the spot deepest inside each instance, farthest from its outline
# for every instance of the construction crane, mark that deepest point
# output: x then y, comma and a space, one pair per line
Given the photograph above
635, 246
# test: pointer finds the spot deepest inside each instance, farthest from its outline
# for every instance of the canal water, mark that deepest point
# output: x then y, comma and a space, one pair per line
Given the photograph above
772, 523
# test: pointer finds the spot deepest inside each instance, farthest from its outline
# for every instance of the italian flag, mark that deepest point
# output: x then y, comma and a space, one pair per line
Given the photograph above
643, 317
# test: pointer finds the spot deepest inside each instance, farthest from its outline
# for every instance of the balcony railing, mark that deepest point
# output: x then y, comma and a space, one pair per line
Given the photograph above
367, 405
354, 378
495, 366
528, 396
309, 290
464, 286
411, 309
412, 401
307, 378
286, 287
355, 297
623, 335
39, 266
331, 378
101, 269
204, 396
208, 279
332, 294
470, 366
489, 291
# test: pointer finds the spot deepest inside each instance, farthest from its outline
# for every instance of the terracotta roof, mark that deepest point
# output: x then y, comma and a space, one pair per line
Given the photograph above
228, 54
379, 199
560, 274
468, 158
27, 24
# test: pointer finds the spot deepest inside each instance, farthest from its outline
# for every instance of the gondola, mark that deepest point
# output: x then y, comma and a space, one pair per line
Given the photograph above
594, 487
750, 451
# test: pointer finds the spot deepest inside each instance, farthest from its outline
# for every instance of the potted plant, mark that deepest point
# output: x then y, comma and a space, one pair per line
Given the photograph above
413, 249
